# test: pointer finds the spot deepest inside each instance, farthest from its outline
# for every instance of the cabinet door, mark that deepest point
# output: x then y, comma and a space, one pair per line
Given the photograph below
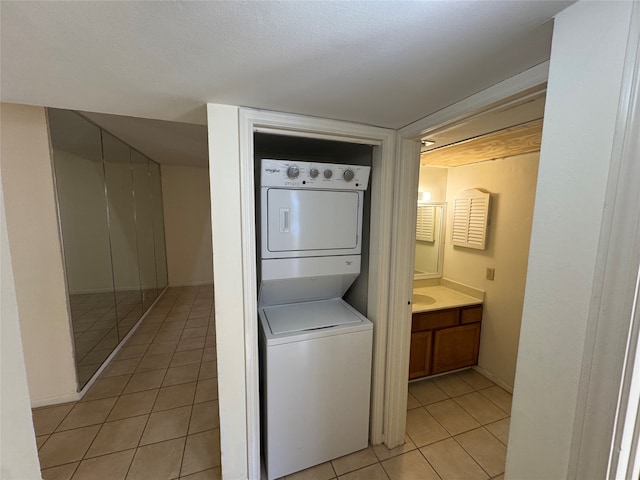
420, 356
456, 347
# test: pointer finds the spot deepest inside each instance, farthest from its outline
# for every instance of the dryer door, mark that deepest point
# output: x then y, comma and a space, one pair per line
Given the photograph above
310, 222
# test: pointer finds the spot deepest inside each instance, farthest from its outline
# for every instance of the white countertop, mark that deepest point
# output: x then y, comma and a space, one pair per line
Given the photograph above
438, 297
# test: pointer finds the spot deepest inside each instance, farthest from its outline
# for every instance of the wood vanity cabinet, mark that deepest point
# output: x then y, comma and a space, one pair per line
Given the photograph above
420, 356
444, 340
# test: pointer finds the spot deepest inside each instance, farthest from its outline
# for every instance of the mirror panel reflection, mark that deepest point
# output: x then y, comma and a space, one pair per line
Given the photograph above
144, 228
109, 201
158, 225
122, 224
77, 159
430, 248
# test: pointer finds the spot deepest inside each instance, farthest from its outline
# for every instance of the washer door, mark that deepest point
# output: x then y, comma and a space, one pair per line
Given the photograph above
309, 221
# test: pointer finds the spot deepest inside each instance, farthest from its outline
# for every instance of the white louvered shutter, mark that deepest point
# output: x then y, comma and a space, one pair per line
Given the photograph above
470, 215
425, 223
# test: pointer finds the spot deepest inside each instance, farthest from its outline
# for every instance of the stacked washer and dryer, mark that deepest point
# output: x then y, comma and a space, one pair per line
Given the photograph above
315, 348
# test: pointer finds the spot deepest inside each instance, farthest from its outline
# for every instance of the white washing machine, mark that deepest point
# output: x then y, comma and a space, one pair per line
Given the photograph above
316, 366
315, 349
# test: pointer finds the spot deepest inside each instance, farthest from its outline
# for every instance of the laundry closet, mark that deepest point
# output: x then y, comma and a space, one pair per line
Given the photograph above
312, 219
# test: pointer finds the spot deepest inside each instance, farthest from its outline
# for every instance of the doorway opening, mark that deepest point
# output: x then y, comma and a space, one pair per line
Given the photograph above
469, 281
493, 150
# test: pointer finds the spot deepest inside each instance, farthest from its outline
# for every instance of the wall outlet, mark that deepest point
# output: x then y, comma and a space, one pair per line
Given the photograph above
491, 273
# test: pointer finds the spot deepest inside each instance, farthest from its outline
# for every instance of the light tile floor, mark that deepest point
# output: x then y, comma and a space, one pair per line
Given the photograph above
457, 428
153, 412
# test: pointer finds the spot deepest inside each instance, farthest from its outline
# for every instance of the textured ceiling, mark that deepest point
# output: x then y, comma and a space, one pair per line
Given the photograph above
385, 63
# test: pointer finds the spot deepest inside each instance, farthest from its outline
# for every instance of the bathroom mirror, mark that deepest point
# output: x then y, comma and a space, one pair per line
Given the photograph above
429, 240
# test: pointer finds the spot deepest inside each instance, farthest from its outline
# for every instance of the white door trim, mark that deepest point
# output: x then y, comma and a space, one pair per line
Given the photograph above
228, 275
250, 121
404, 211
530, 81
609, 392
402, 261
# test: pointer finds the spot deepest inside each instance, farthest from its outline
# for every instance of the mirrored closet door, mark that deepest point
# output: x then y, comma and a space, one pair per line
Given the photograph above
122, 227
111, 220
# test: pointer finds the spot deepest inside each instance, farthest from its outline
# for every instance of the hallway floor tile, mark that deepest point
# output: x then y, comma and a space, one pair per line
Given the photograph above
457, 428
153, 412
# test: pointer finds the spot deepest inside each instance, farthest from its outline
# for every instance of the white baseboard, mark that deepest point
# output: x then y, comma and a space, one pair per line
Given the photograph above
106, 290
436, 375
478, 369
78, 395
91, 290
46, 402
190, 284
493, 378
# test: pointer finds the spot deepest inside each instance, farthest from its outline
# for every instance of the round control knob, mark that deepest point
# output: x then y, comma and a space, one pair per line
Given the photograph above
313, 173
328, 173
293, 172
348, 175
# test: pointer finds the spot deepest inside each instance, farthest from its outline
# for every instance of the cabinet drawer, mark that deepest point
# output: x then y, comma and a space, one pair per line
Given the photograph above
471, 314
433, 320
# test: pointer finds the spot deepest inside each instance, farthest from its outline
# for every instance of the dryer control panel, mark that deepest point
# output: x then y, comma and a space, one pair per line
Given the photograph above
313, 175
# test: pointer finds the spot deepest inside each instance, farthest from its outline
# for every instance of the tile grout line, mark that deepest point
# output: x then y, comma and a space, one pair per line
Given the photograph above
494, 403
492, 434
184, 447
84, 457
128, 382
449, 397
429, 463
453, 436
92, 440
478, 420
157, 393
193, 405
473, 458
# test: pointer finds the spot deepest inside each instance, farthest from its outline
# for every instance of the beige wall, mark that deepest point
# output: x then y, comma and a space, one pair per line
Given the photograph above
512, 183
434, 181
187, 220
18, 455
36, 255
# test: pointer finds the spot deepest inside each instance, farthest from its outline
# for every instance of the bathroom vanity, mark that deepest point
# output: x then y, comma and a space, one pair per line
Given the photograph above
445, 328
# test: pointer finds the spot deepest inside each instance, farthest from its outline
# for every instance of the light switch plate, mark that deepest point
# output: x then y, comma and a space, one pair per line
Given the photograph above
491, 273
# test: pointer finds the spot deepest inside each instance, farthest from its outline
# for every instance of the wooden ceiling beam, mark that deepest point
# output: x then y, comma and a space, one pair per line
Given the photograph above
517, 140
